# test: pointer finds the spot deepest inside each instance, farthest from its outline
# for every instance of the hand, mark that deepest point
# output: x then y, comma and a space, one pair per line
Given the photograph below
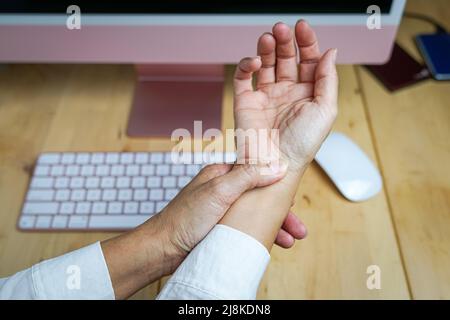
202, 203
300, 100
158, 246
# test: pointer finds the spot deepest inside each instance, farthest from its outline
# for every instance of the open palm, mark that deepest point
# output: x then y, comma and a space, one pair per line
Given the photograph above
299, 100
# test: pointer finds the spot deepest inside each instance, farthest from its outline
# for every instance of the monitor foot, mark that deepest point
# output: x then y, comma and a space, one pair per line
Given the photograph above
169, 97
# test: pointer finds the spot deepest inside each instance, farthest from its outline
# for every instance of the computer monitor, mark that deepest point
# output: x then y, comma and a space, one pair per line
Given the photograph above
180, 47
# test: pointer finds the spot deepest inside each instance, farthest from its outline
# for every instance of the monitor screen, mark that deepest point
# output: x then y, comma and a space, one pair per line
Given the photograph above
194, 6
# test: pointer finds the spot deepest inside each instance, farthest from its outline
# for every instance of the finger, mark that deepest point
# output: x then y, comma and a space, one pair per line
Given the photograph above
309, 50
284, 239
226, 189
208, 173
294, 226
243, 74
266, 50
286, 68
326, 81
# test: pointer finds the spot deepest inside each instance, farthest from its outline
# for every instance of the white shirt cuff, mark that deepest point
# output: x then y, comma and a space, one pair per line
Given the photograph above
81, 274
227, 264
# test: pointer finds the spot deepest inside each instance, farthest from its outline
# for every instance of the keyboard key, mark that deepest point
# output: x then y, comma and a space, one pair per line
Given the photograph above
115, 207
147, 207
109, 195
94, 195
169, 182
42, 170
62, 195
125, 194
57, 170
148, 170
156, 194
82, 158
132, 170
217, 157
140, 194
185, 158
230, 157
43, 222
156, 157
142, 157
192, 169
102, 170
78, 222
40, 208
118, 170
60, 222
107, 182
126, 158
153, 182
87, 170
99, 208
73, 170
40, 195
42, 182
170, 157
161, 205
92, 182
83, 208
119, 222
62, 182
123, 182
112, 158
26, 222
198, 158
131, 207
78, 195
183, 181
49, 158
138, 182
170, 194
68, 158
76, 183
162, 170
97, 158
67, 208
177, 170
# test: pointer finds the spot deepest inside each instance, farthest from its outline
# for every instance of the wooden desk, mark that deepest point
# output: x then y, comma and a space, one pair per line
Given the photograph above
404, 230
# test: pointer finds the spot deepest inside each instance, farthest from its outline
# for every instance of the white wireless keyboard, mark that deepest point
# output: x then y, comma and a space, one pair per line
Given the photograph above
106, 190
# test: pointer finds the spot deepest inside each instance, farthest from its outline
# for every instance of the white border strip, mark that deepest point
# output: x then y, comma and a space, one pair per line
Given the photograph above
393, 18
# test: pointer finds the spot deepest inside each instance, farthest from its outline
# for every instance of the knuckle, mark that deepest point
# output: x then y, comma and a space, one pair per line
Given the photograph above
209, 171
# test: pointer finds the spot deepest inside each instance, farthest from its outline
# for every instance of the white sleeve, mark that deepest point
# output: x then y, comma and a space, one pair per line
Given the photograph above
227, 264
81, 274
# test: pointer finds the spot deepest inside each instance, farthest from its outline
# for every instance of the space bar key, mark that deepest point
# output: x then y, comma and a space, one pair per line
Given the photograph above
116, 222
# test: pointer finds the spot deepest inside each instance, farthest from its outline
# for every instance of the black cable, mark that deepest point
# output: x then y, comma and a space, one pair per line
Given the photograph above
418, 16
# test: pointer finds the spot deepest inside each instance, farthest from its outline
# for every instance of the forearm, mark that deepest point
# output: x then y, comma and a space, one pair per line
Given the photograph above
260, 212
138, 258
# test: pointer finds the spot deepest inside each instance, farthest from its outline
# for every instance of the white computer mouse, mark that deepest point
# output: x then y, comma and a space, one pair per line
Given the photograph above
353, 173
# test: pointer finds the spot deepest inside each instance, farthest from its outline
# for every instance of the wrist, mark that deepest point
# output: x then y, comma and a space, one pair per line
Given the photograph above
159, 248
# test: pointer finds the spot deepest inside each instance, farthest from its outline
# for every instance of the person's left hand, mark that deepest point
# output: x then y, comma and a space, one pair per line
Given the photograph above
202, 203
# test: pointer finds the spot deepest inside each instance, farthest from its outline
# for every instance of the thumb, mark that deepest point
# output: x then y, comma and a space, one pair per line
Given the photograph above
226, 189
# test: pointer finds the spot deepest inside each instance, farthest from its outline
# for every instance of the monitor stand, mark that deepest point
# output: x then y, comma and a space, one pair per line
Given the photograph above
168, 97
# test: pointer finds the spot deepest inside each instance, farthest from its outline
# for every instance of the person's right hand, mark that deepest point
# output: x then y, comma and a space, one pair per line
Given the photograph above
299, 100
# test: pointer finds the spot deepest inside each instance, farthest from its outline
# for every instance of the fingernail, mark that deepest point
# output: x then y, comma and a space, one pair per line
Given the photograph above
335, 51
